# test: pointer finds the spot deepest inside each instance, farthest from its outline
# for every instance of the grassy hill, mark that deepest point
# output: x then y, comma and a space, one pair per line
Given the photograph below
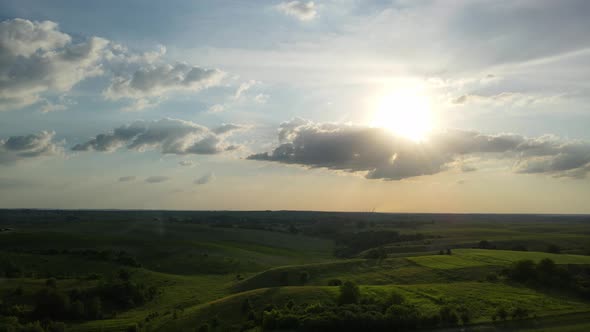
205, 265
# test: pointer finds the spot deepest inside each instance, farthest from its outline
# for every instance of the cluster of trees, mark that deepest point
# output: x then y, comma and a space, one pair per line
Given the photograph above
376, 253
11, 324
106, 299
547, 274
9, 269
354, 312
349, 244
121, 257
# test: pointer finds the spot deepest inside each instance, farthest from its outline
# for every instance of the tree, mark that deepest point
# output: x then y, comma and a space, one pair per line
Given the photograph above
519, 313
124, 275
554, 249
395, 298
94, 308
523, 271
448, 316
349, 293
51, 304
51, 282
502, 313
304, 277
284, 278
334, 282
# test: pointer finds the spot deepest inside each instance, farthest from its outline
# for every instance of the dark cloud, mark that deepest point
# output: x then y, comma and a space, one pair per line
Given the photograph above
383, 155
15, 148
170, 136
157, 179
127, 178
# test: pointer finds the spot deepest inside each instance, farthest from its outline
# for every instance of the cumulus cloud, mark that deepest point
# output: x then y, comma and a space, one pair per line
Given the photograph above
156, 179
169, 136
155, 80
127, 178
382, 155
208, 178
303, 11
35, 58
16, 148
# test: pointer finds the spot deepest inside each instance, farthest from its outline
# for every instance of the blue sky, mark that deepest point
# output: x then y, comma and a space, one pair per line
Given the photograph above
435, 106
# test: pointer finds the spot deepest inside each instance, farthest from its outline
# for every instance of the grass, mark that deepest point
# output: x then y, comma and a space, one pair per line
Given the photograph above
196, 265
481, 298
481, 257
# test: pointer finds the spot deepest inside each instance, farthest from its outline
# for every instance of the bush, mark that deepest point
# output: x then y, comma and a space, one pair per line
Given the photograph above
334, 282
304, 277
349, 293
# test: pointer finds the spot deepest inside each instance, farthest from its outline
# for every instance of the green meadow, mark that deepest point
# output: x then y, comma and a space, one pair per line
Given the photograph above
245, 271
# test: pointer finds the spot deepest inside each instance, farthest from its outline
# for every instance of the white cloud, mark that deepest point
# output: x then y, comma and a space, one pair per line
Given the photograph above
245, 86
170, 136
303, 11
37, 58
216, 108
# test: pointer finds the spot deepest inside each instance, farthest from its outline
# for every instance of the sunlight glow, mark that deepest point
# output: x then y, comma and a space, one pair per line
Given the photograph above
405, 112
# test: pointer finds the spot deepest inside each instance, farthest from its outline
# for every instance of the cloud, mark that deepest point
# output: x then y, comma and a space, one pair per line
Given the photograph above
36, 58
9, 183
127, 178
303, 11
243, 88
156, 80
169, 136
227, 128
216, 108
17, 148
505, 98
261, 98
186, 163
208, 178
380, 154
156, 179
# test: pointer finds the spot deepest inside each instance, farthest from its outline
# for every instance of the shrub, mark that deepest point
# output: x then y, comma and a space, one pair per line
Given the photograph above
349, 293
334, 282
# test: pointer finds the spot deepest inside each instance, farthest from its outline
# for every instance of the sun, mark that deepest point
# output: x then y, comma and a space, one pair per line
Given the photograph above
406, 112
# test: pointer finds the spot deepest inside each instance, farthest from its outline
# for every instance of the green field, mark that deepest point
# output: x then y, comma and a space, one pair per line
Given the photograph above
205, 265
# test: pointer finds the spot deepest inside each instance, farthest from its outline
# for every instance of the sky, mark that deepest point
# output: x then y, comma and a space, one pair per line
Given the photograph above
349, 105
